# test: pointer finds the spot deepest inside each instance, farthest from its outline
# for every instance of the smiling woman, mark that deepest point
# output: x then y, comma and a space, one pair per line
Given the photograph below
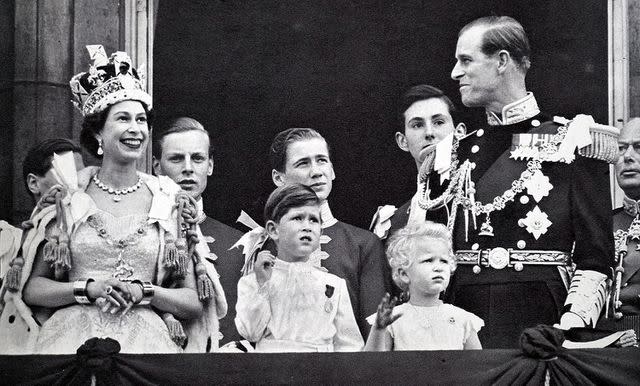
109, 264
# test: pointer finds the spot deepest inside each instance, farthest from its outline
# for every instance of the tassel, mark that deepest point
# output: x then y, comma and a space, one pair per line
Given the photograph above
57, 253
51, 247
180, 266
63, 256
170, 251
14, 275
176, 331
204, 283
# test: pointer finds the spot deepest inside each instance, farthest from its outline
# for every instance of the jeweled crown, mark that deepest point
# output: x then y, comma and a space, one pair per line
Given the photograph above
109, 80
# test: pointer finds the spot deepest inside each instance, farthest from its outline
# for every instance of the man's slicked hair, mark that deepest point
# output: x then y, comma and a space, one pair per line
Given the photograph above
178, 125
280, 144
421, 92
504, 33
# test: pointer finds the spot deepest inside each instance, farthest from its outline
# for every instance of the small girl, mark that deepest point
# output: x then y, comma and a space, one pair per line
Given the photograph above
421, 260
287, 304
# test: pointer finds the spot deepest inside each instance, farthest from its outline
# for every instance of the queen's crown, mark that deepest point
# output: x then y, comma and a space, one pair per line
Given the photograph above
109, 80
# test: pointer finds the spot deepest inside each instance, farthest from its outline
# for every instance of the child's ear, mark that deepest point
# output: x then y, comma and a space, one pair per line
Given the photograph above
402, 274
272, 229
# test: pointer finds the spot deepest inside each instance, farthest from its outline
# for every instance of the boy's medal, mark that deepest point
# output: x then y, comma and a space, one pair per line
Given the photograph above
328, 305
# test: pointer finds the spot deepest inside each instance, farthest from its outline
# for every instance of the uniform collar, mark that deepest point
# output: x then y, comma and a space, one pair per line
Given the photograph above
515, 112
326, 215
631, 206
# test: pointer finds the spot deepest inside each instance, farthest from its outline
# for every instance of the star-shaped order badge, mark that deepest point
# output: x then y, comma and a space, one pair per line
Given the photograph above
537, 222
538, 186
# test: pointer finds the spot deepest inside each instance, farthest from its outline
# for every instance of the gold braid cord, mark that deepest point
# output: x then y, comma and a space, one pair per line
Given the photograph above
177, 253
188, 221
56, 250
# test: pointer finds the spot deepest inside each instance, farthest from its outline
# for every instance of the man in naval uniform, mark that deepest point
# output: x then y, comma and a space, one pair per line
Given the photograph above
183, 151
301, 155
626, 227
425, 115
529, 202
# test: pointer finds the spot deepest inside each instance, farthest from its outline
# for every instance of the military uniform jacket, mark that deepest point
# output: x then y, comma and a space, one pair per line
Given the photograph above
578, 208
630, 285
578, 205
220, 238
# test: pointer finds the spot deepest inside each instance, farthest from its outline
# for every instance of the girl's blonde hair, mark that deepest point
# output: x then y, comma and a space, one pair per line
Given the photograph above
402, 248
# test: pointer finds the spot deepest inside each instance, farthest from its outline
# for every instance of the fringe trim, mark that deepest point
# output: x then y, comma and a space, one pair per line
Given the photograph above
176, 331
14, 275
604, 147
206, 290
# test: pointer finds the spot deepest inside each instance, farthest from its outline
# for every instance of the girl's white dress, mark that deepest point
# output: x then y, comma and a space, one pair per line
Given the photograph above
301, 308
441, 327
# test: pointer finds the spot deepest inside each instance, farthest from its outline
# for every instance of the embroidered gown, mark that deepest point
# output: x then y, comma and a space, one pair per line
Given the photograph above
301, 308
102, 246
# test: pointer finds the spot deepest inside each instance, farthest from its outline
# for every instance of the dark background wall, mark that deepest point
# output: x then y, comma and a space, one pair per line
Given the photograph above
248, 69
42, 46
7, 69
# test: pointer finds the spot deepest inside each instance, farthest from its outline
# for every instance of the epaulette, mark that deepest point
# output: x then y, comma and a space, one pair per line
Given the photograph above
602, 140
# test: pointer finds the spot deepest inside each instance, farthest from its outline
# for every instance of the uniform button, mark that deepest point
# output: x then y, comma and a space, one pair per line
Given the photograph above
475, 148
476, 269
475, 246
518, 266
524, 199
472, 165
535, 123
480, 132
521, 223
521, 244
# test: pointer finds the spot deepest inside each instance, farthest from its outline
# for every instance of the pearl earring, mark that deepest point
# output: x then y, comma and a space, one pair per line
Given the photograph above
100, 151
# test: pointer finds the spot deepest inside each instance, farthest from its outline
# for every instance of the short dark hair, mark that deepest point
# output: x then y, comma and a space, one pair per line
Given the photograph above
178, 125
419, 93
504, 33
280, 144
287, 197
92, 124
39, 157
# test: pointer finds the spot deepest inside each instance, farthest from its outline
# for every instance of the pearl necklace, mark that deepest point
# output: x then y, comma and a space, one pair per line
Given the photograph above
117, 193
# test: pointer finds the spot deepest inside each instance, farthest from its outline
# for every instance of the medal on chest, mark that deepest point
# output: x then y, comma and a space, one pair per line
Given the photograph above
534, 149
328, 304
